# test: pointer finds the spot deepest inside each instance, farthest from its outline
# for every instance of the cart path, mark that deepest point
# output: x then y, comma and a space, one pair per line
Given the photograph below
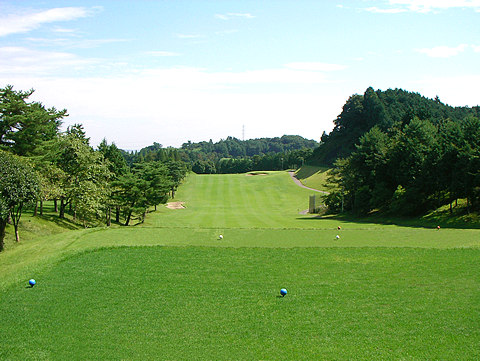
297, 182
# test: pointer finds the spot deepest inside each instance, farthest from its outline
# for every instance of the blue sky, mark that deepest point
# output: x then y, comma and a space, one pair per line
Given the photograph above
138, 72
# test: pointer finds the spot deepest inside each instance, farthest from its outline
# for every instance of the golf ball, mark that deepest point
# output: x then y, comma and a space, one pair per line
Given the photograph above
220, 236
337, 236
283, 291
32, 282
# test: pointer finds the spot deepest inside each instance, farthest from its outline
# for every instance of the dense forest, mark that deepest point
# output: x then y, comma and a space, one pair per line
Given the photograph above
232, 155
399, 152
38, 162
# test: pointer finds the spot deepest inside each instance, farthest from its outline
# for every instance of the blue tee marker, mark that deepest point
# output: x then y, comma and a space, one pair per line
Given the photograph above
283, 292
32, 282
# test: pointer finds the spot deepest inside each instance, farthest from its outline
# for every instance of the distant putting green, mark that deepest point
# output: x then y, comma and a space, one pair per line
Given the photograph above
171, 289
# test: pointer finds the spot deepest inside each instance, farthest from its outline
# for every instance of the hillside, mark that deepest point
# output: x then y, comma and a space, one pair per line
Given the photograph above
393, 108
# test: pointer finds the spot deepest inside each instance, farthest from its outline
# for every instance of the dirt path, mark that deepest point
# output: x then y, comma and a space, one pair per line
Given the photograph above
298, 183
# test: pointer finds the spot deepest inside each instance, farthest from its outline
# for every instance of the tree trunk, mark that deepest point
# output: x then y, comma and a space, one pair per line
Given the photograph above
17, 213
62, 208
41, 207
109, 216
128, 218
117, 214
35, 209
55, 205
3, 225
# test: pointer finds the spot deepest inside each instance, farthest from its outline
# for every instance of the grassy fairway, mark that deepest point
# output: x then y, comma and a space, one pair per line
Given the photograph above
382, 291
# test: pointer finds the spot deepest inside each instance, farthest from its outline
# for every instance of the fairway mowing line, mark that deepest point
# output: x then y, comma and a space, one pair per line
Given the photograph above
255, 228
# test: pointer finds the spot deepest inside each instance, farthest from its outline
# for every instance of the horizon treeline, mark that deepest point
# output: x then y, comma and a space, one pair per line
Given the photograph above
232, 155
399, 152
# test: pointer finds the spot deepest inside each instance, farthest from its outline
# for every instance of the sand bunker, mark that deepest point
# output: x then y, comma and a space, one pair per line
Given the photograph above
256, 173
175, 205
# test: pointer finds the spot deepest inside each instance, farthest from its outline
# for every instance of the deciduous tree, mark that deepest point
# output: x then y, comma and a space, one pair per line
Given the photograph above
18, 186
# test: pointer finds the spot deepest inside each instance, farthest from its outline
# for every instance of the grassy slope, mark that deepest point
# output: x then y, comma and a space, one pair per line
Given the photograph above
314, 177
364, 296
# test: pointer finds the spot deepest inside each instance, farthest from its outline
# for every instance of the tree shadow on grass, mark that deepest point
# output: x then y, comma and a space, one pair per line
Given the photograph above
62, 222
415, 222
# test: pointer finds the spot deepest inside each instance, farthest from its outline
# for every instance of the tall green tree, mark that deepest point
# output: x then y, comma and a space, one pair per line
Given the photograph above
117, 166
18, 187
469, 158
85, 171
156, 174
130, 191
23, 125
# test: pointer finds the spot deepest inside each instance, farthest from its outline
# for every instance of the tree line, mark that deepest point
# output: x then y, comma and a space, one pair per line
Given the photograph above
232, 155
38, 162
399, 152
271, 161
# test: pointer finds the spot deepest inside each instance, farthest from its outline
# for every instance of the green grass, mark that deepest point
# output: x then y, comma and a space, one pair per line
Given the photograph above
170, 289
209, 303
314, 177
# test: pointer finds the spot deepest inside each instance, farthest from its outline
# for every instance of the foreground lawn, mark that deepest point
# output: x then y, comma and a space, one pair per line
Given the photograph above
223, 303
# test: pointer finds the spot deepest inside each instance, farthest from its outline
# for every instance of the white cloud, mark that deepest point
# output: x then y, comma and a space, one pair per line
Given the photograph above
64, 30
22, 23
425, 6
107, 107
452, 90
385, 11
74, 42
174, 105
242, 15
476, 48
18, 60
221, 17
315, 66
201, 79
443, 51
230, 16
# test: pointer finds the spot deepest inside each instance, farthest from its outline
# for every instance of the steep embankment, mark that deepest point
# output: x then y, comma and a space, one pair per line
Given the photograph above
313, 177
